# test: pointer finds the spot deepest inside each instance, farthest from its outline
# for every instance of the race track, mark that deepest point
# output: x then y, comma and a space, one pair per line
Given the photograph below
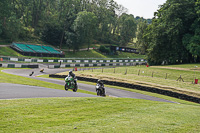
16, 91
109, 91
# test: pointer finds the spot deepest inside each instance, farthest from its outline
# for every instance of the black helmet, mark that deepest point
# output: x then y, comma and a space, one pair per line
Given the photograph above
70, 72
98, 81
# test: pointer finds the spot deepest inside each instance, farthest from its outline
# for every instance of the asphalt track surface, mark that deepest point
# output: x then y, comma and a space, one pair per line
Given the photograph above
16, 91
10, 91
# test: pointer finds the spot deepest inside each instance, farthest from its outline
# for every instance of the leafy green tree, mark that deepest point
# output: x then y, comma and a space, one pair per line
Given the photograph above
10, 24
142, 43
52, 33
103, 17
103, 49
127, 29
5, 12
54, 21
72, 40
191, 40
167, 30
12, 29
85, 27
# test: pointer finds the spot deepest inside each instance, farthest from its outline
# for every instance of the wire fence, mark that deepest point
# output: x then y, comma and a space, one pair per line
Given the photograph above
191, 76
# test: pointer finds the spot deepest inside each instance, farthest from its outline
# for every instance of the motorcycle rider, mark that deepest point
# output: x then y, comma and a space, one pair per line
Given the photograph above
100, 84
71, 74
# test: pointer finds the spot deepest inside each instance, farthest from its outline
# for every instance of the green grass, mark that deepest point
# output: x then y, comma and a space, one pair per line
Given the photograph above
7, 51
189, 66
126, 55
94, 115
9, 78
172, 74
132, 90
96, 54
97, 115
145, 77
84, 54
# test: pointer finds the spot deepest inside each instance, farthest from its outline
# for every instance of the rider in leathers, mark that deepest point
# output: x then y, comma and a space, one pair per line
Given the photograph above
100, 84
71, 74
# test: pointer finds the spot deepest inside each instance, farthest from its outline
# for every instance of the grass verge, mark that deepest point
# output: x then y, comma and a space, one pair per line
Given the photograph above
7, 51
9, 78
143, 76
133, 90
93, 115
96, 115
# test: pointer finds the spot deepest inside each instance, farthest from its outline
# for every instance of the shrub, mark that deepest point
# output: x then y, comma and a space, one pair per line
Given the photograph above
103, 49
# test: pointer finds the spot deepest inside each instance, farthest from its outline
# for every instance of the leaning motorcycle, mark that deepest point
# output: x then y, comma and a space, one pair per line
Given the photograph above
70, 84
100, 90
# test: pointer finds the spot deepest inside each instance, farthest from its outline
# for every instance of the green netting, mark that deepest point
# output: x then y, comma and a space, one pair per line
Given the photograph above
37, 48
50, 49
23, 47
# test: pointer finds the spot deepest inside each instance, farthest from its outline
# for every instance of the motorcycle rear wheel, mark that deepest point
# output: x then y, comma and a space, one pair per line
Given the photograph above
66, 88
75, 89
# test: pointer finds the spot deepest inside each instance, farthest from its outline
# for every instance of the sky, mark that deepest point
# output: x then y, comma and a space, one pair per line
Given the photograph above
142, 8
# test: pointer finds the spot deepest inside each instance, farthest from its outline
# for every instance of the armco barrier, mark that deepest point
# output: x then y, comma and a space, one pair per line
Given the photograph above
138, 87
74, 60
96, 65
18, 66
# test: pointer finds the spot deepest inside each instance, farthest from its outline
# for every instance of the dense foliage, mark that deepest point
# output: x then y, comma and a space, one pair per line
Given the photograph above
69, 23
174, 35
103, 49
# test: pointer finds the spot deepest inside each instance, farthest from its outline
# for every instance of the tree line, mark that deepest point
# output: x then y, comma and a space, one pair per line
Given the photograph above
70, 23
174, 35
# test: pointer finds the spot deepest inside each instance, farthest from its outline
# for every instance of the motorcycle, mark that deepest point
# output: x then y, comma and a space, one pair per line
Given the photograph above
70, 84
100, 90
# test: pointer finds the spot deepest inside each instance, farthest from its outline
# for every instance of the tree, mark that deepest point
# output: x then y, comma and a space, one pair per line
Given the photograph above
72, 40
127, 28
167, 30
191, 40
54, 21
142, 43
85, 27
103, 49
5, 12
52, 33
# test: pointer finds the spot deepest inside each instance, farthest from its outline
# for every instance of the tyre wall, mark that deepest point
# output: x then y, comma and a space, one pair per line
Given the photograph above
137, 87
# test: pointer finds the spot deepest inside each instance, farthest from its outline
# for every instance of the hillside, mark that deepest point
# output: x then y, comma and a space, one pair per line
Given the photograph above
7, 51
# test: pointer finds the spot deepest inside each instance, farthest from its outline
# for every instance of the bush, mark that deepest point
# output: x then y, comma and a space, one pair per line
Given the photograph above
103, 49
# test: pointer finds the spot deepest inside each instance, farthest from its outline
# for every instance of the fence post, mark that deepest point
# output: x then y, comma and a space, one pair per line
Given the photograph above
102, 69
166, 76
126, 71
138, 72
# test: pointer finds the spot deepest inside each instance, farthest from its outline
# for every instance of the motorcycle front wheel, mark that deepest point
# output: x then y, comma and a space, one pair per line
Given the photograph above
98, 92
